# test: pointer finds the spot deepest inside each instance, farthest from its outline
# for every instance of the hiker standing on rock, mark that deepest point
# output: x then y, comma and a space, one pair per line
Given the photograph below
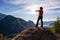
40, 17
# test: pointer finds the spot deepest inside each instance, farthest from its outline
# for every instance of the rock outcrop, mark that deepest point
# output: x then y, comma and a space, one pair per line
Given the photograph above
36, 34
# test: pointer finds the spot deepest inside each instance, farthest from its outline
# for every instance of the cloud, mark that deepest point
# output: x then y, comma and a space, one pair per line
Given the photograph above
55, 9
30, 9
32, 5
50, 7
16, 2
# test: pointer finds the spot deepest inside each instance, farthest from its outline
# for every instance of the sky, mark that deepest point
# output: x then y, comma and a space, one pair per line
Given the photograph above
25, 9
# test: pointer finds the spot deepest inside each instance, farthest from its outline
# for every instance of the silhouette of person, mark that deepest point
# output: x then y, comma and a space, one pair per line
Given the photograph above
40, 16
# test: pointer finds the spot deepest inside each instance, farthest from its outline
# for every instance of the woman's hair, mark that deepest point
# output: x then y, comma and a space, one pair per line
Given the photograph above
41, 7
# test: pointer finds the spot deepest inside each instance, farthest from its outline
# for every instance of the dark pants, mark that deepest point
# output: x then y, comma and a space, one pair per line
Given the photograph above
40, 17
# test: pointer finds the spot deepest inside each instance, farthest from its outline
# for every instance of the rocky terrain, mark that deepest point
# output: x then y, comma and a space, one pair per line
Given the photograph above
36, 34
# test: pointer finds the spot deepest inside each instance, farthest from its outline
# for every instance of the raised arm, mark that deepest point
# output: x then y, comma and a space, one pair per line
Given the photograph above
37, 11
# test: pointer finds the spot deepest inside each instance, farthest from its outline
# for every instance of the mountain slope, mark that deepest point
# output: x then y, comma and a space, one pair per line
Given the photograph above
22, 22
30, 23
9, 25
2, 16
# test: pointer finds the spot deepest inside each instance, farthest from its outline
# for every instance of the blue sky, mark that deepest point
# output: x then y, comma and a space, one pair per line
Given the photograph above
25, 9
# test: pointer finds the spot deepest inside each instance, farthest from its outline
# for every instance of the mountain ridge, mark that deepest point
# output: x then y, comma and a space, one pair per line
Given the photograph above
12, 25
2, 16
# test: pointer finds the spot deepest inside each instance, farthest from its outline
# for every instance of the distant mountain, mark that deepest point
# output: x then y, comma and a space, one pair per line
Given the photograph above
9, 25
22, 22
30, 23
12, 25
2, 16
47, 23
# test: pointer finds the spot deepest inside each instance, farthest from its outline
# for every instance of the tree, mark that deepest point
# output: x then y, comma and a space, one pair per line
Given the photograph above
56, 26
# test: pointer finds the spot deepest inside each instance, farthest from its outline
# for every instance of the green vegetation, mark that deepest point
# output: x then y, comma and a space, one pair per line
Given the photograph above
56, 26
